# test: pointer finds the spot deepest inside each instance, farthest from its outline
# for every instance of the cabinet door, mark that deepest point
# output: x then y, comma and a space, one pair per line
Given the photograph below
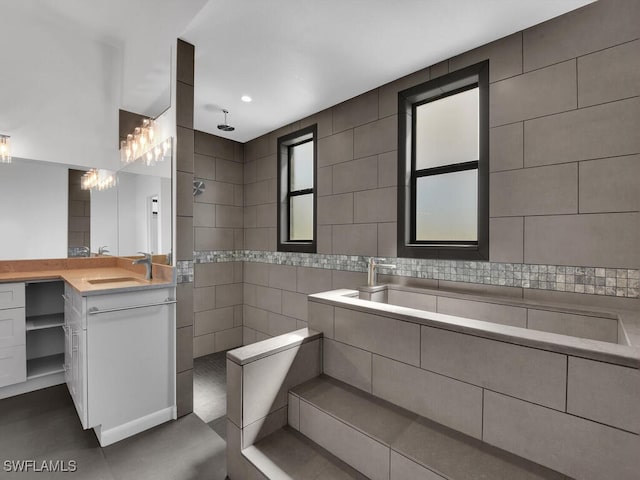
13, 365
79, 361
67, 358
130, 364
12, 327
75, 363
11, 295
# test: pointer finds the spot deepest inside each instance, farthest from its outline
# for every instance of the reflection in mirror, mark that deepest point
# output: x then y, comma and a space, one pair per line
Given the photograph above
79, 219
33, 210
36, 213
144, 214
141, 207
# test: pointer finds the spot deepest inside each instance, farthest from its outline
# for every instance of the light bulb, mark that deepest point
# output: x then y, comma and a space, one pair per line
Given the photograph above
5, 149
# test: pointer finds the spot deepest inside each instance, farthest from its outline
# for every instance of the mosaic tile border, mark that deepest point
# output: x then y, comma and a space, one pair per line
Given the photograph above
184, 270
616, 282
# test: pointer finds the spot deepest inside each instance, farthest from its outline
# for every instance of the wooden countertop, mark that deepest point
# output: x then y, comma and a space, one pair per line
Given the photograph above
81, 272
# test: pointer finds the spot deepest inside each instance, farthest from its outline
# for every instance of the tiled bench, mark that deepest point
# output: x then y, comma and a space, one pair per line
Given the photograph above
287, 455
342, 432
353, 435
386, 442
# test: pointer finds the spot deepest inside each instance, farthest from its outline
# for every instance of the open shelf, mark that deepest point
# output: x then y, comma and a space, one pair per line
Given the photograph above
39, 367
45, 321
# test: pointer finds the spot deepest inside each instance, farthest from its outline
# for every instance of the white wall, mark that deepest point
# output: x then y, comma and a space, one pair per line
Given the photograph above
133, 193
164, 245
60, 91
67, 67
33, 210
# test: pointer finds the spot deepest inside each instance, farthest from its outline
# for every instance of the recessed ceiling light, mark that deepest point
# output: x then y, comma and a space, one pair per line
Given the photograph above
246, 98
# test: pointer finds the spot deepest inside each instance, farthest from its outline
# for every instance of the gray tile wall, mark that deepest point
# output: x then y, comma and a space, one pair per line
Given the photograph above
563, 117
275, 295
563, 161
565, 214
217, 225
184, 226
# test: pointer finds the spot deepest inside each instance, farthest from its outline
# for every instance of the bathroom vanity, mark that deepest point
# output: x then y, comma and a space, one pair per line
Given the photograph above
104, 330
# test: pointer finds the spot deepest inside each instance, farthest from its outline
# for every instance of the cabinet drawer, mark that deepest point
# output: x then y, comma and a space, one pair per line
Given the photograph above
13, 365
11, 295
12, 327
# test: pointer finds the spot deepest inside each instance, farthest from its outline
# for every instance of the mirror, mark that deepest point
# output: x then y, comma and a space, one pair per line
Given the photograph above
35, 213
136, 215
33, 210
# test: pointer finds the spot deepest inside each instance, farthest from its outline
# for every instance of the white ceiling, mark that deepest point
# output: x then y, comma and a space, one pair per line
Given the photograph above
297, 57
68, 65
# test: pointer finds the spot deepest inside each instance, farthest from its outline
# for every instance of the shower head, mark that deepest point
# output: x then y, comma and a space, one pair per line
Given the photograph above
225, 127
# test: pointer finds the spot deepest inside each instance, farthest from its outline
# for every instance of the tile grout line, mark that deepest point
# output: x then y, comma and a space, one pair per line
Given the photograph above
482, 418
566, 386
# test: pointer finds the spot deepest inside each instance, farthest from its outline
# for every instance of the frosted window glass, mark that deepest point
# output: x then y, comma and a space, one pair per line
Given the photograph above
446, 206
301, 166
447, 130
301, 217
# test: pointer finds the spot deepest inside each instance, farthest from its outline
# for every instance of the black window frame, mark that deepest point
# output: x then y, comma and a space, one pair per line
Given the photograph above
408, 100
285, 144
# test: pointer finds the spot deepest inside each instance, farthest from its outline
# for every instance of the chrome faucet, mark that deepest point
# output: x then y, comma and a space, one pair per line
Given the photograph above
146, 261
103, 250
372, 271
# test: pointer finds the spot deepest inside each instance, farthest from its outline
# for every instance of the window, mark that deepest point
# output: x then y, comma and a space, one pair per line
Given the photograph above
297, 191
443, 167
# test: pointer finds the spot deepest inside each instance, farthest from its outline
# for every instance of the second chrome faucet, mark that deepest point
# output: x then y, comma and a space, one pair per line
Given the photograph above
372, 271
146, 261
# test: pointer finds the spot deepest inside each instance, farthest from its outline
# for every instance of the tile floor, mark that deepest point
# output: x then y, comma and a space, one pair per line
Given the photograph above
43, 425
210, 390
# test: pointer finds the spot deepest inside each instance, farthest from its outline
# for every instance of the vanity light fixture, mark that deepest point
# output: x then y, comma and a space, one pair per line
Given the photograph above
143, 143
5, 149
98, 179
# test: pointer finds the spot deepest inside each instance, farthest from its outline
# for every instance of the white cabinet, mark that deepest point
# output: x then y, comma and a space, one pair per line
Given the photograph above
12, 334
31, 336
11, 327
120, 360
74, 352
11, 295
12, 365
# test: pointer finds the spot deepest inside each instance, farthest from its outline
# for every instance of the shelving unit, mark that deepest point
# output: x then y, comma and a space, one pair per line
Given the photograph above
44, 321
42, 366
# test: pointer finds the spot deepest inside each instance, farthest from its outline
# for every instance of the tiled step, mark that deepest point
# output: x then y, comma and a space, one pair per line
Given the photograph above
286, 455
385, 442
